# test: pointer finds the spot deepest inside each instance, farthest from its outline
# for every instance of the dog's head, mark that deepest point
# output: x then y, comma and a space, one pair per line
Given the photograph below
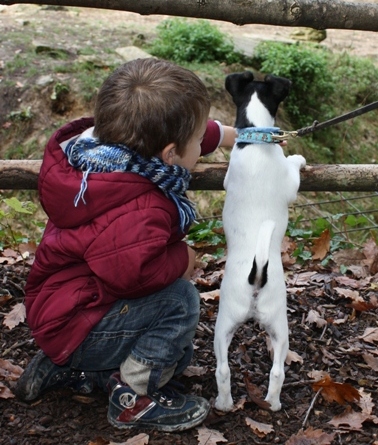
248, 93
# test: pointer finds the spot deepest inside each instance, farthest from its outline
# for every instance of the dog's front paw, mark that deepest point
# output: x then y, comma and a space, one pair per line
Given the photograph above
224, 403
298, 160
275, 405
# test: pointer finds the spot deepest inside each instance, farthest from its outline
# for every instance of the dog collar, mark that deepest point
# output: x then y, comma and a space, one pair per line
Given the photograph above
257, 135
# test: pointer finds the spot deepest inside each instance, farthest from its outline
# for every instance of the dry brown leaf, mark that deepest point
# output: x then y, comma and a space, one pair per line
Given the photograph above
350, 420
317, 375
311, 437
365, 402
16, 316
9, 371
293, 357
209, 437
370, 335
349, 293
371, 253
371, 361
192, 371
300, 279
321, 245
336, 392
260, 429
348, 257
4, 299
212, 295
99, 441
5, 392
255, 393
139, 439
314, 317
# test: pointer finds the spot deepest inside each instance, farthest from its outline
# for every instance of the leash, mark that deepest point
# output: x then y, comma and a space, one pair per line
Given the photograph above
271, 135
279, 136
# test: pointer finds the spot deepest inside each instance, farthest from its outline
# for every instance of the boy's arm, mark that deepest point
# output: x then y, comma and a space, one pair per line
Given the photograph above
217, 135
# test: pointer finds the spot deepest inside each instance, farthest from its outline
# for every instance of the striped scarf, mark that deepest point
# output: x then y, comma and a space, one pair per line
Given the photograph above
90, 156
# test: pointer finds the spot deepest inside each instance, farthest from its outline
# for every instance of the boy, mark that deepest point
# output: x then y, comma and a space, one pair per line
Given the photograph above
108, 298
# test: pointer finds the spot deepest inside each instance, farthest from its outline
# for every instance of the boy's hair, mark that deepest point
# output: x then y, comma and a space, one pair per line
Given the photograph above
147, 104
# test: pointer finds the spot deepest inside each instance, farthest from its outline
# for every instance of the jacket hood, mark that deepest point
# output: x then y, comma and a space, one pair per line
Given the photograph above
59, 183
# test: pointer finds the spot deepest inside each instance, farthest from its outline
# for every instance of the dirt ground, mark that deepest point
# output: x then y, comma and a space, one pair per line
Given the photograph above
336, 347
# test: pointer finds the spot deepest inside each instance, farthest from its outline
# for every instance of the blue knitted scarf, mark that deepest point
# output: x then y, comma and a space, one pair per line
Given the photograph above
90, 156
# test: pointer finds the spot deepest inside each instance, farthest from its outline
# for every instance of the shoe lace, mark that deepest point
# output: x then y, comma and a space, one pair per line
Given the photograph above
169, 392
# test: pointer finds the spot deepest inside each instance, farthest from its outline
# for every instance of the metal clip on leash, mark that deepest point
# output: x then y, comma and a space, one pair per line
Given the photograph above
284, 135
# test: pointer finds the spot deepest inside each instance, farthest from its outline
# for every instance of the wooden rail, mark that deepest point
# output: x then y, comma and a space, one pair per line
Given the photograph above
23, 175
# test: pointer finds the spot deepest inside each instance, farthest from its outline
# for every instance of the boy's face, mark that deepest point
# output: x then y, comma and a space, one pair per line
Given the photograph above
192, 149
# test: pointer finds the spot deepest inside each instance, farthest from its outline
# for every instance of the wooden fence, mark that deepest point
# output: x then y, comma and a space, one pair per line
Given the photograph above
23, 174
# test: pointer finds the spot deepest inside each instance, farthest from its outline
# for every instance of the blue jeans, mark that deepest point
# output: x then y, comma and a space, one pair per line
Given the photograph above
156, 330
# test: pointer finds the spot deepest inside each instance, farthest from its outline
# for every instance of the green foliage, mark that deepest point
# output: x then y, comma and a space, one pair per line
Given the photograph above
21, 115
325, 85
11, 212
209, 233
59, 90
307, 68
181, 40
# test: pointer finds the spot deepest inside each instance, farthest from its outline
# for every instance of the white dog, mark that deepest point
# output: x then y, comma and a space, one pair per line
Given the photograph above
260, 184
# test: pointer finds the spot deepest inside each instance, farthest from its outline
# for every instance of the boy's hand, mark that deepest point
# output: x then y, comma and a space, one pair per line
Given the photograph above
192, 260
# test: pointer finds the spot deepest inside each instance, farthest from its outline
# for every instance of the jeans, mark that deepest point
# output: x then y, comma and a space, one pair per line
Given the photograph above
157, 331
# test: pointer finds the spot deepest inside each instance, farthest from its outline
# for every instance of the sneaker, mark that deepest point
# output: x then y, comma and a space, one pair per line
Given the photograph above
43, 375
165, 410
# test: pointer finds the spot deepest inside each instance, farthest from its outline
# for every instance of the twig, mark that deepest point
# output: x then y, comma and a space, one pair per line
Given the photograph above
310, 408
324, 330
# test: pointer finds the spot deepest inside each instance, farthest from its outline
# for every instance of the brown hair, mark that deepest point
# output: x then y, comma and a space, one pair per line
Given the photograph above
147, 104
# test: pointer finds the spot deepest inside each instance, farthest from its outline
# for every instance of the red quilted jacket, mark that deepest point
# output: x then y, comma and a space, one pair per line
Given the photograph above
124, 243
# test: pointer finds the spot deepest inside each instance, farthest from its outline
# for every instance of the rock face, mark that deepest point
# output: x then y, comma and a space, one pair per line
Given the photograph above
132, 52
309, 34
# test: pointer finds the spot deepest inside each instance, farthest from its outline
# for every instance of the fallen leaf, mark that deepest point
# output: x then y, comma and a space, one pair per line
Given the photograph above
192, 371
349, 420
260, 429
140, 439
293, 357
371, 361
336, 392
371, 252
209, 437
365, 402
212, 295
370, 335
321, 245
311, 437
16, 316
4, 299
314, 317
317, 375
255, 393
9, 371
5, 392
348, 257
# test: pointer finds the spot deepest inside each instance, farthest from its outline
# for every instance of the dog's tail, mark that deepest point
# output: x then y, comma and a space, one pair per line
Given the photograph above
258, 277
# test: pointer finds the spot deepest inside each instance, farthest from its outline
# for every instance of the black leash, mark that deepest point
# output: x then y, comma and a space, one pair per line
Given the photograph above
283, 135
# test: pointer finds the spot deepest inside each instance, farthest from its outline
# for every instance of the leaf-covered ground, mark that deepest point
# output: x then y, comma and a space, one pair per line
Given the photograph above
333, 341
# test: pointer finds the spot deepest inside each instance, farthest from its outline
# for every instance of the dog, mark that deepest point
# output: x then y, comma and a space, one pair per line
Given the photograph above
260, 184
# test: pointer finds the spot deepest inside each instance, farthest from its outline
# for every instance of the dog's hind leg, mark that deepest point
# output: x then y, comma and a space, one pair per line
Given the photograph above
278, 333
224, 331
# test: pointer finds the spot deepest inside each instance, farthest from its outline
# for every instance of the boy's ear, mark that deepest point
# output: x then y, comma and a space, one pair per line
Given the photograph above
168, 154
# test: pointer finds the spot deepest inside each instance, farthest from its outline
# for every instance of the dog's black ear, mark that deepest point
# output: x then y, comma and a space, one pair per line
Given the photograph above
235, 83
280, 86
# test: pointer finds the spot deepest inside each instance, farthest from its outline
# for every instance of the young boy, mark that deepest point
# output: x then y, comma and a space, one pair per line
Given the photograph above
108, 298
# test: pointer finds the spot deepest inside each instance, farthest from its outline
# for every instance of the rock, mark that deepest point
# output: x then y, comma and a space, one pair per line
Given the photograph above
309, 34
132, 52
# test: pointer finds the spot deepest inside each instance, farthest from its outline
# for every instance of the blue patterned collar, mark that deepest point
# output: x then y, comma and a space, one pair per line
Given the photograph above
257, 135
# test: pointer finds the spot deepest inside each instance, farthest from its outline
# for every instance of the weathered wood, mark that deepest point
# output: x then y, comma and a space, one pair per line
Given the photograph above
23, 175
319, 14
